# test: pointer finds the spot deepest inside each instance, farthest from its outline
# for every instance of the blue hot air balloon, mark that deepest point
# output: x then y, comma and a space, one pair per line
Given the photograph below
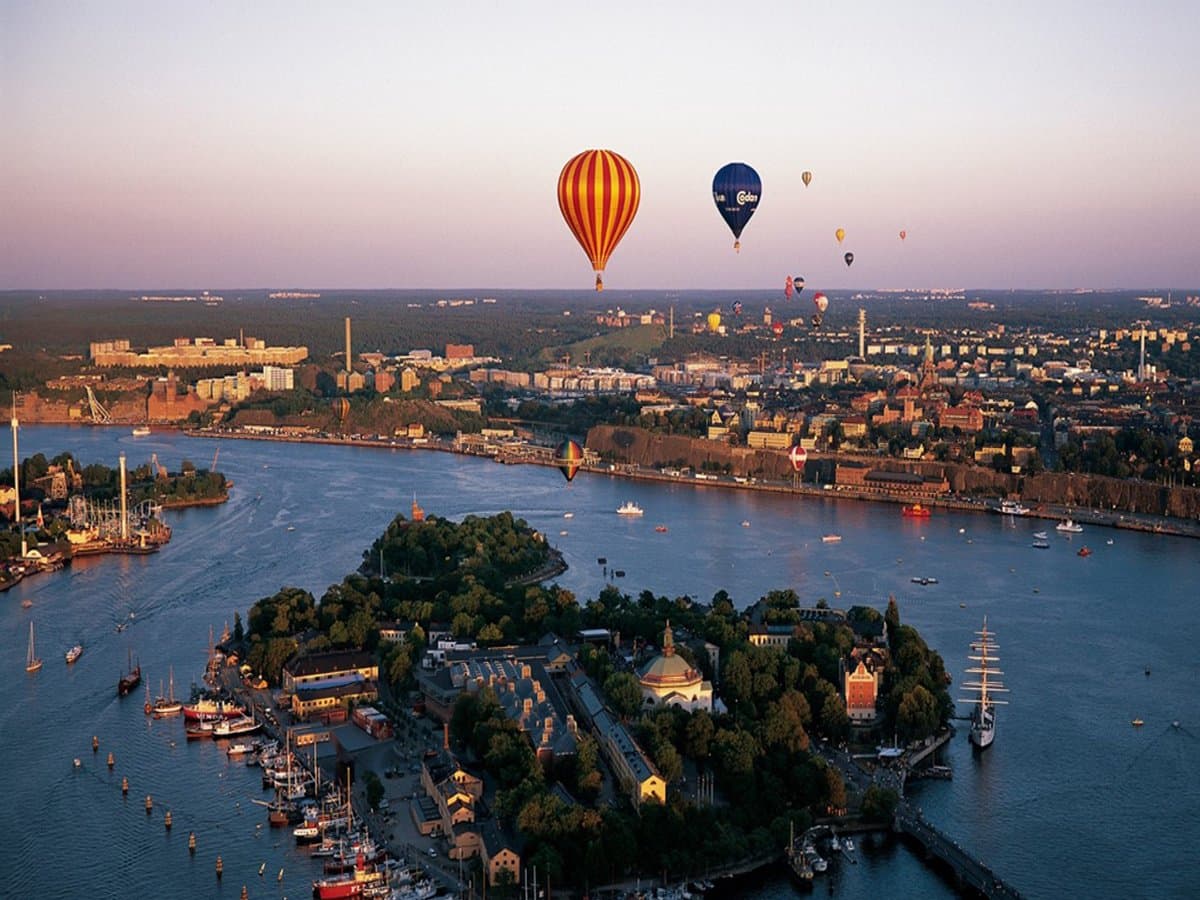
736, 189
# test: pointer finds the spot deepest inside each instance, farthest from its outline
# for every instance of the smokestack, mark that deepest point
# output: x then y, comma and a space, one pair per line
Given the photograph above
124, 510
348, 357
862, 333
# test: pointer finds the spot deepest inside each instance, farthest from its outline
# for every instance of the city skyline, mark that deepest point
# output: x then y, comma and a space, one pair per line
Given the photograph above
383, 147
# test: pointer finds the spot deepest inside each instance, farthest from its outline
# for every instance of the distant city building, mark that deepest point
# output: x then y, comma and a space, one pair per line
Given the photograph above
460, 351
196, 353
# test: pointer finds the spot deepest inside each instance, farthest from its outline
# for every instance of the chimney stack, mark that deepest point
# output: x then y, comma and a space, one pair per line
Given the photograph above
348, 357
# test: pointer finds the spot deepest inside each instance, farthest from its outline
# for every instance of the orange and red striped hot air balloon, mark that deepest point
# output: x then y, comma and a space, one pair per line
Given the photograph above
598, 193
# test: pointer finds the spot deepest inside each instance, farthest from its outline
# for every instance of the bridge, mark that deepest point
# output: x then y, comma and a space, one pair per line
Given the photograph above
969, 870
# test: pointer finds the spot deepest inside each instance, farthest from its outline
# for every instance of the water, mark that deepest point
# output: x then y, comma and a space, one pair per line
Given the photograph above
1070, 798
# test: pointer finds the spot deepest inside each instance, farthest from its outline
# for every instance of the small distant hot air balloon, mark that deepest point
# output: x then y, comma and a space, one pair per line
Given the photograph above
806, 177
714, 321
568, 457
736, 188
777, 329
849, 258
598, 194
797, 456
798, 283
341, 408
787, 288
821, 302
903, 234
840, 234
737, 307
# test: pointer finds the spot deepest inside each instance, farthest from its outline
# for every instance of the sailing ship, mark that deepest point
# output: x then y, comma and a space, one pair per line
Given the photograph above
983, 717
131, 679
32, 662
168, 705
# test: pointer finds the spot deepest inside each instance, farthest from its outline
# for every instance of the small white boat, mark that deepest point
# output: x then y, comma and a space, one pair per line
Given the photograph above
629, 508
239, 749
1039, 535
141, 431
830, 538
74, 653
1041, 544
745, 523
848, 844
568, 515
1066, 526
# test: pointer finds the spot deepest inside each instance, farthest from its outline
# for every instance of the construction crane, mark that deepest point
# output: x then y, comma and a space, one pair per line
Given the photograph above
100, 415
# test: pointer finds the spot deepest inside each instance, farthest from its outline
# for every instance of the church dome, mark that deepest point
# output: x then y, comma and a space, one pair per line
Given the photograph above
668, 672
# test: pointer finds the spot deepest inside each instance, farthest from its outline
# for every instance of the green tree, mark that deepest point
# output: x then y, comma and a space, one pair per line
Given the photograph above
624, 694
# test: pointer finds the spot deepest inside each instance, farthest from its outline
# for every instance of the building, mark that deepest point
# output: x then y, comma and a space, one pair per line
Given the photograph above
320, 683
771, 635
189, 353
670, 680
862, 678
460, 351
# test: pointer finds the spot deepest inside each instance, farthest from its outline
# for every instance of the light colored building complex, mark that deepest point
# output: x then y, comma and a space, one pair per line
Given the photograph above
670, 680
638, 776
522, 689
319, 682
196, 353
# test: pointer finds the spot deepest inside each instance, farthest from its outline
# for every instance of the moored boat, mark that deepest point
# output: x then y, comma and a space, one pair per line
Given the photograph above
225, 728
1012, 508
168, 705
205, 707
983, 717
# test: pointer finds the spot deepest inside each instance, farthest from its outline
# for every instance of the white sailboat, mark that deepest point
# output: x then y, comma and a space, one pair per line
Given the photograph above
32, 662
983, 718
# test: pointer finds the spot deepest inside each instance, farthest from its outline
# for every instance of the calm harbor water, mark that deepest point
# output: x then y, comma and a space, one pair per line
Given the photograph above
1071, 800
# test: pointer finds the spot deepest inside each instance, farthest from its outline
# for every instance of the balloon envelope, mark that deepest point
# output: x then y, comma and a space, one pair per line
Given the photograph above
736, 189
849, 258
806, 178
737, 307
821, 302
714, 321
777, 328
840, 234
598, 195
788, 288
903, 235
568, 457
797, 456
341, 408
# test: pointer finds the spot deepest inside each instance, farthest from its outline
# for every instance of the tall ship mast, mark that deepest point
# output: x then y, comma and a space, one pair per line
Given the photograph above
983, 717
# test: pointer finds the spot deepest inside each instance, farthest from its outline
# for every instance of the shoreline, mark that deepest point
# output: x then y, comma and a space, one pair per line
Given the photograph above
1127, 521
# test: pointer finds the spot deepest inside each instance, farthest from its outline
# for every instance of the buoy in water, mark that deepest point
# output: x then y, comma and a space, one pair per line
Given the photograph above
167, 820
111, 759
149, 804
125, 785
191, 842
220, 866
95, 743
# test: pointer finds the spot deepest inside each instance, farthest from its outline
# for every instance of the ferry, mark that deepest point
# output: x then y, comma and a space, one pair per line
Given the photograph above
1066, 526
1012, 508
629, 508
74, 653
916, 511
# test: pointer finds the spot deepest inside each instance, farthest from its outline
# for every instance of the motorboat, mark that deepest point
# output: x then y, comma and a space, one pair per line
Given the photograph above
1084, 551
661, 529
629, 508
831, 538
74, 653
1041, 544
1066, 526
915, 511
141, 431
1039, 535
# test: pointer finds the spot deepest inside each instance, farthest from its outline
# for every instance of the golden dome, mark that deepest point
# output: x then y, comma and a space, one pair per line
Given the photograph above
667, 671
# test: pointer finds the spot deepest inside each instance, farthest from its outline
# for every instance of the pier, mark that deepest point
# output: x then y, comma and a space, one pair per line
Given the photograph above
970, 871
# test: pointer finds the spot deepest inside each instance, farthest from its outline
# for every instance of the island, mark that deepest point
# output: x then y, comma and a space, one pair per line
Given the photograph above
595, 742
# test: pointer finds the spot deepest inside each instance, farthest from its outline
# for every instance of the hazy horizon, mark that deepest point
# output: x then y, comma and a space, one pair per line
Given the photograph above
376, 146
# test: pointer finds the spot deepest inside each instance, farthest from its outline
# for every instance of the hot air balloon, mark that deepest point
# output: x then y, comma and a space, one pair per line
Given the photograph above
797, 456
598, 193
798, 283
568, 457
777, 329
341, 408
787, 288
903, 234
736, 189
821, 302
806, 177
840, 234
737, 307
849, 258
714, 321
